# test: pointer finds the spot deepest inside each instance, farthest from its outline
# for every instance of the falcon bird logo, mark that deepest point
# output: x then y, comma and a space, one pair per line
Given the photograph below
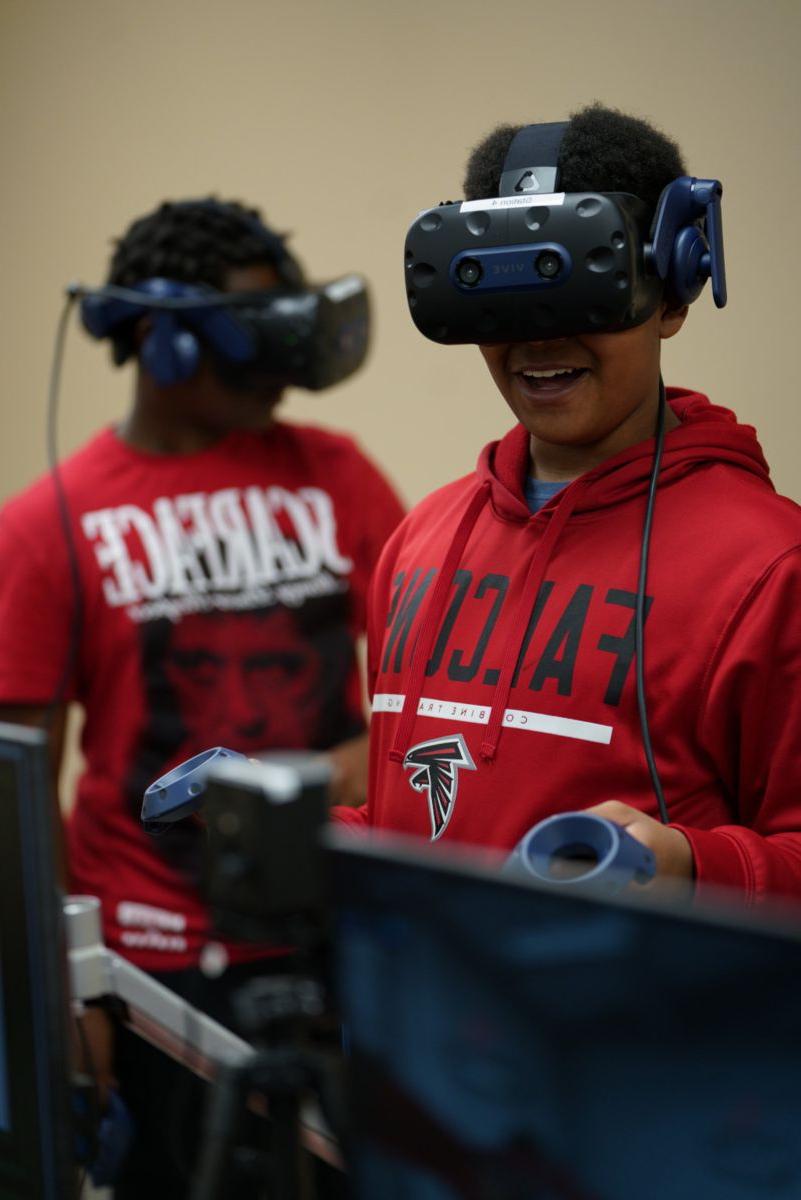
435, 765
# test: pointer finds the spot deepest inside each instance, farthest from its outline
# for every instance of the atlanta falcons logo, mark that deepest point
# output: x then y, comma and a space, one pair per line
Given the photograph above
435, 765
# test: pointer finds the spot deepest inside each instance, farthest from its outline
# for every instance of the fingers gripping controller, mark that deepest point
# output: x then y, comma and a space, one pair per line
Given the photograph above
578, 849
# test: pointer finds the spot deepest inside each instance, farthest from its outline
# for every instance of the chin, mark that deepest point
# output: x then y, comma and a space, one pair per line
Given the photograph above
256, 412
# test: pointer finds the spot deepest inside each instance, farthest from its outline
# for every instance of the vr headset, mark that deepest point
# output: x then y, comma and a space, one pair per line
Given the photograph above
536, 263
298, 336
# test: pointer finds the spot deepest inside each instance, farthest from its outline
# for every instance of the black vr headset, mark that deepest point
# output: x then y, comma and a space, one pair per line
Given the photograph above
537, 263
293, 336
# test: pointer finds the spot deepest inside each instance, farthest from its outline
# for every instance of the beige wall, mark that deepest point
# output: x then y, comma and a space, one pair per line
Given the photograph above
342, 120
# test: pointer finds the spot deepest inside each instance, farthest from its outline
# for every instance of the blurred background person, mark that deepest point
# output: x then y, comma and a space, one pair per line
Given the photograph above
222, 557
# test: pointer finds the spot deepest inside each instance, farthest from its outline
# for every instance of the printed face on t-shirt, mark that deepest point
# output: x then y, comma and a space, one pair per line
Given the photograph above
245, 680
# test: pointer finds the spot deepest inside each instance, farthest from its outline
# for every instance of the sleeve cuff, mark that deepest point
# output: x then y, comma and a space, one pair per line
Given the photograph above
720, 863
355, 817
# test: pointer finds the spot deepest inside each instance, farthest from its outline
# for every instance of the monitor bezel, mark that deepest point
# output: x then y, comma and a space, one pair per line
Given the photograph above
386, 888
36, 1154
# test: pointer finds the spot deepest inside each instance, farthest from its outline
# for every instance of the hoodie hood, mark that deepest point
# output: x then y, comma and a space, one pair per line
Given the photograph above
708, 433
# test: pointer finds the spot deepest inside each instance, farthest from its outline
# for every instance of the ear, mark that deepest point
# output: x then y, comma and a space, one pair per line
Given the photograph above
671, 320
127, 341
140, 331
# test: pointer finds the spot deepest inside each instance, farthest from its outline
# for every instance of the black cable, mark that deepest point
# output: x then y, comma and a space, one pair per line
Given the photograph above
76, 622
639, 611
214, 299
95, 1114
91, 1069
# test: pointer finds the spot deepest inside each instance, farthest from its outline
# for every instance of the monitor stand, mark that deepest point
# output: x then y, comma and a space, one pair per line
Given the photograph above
162, 1018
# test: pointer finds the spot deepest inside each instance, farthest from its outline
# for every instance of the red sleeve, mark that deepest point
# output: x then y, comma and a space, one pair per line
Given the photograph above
35, 616
355, 817
751, 724
379, 512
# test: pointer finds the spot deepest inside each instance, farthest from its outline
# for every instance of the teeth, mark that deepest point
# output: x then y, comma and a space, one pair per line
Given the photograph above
548, 374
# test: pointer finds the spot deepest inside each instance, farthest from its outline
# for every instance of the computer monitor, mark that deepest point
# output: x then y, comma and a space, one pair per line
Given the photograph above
35, 1128
522, 1043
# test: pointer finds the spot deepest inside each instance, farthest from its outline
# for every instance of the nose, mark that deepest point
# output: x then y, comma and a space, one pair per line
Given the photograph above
243, 716
554, 341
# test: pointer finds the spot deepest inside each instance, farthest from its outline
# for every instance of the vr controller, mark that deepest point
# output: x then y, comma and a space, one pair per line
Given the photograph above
309, 337
581, 849
532, 264
179, 793
597, 852
264, 874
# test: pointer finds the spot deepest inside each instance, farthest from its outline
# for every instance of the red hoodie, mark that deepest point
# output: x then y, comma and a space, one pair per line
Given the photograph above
501, 653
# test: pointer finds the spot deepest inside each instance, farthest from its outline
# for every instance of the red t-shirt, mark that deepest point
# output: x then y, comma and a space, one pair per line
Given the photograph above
222, 596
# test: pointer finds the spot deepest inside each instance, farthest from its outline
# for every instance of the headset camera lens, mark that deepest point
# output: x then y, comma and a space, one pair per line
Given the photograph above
548, 264
469, 272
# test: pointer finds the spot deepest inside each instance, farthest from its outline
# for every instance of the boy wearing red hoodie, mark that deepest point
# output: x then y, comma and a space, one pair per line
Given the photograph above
502, 634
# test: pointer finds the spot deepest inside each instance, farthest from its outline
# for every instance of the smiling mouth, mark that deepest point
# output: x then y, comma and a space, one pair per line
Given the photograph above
548, 381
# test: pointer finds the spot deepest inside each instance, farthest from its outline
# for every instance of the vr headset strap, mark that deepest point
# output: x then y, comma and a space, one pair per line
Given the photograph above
530, 164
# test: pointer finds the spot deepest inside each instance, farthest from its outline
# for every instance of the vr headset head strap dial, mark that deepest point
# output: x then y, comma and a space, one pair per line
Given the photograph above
531, 160
687, 239
170, 353
170, 350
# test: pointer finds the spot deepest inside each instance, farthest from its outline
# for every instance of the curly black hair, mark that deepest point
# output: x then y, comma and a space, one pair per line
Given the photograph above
603, 150
197, 241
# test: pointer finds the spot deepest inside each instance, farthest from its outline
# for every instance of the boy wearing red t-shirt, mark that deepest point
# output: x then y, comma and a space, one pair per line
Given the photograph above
222, 557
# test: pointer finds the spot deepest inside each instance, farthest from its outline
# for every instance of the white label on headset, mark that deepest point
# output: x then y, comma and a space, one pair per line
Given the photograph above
341, 289
528, 201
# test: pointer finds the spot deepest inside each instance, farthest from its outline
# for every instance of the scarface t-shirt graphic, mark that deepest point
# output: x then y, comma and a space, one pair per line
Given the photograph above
260, 680
249, 680
239, 662
257, 681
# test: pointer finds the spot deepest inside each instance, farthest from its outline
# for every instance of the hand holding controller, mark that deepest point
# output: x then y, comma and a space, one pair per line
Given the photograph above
580, 849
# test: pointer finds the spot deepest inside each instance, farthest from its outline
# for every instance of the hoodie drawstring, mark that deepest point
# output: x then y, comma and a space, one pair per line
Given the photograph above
519, 623
430, 624
517, 627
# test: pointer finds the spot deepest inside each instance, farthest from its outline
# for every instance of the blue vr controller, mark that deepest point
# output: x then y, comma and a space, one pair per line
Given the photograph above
179, 793
598, 853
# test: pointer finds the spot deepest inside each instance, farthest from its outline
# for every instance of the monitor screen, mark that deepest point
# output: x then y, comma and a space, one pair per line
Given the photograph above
35, 1131
5, 1110
519, 1042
